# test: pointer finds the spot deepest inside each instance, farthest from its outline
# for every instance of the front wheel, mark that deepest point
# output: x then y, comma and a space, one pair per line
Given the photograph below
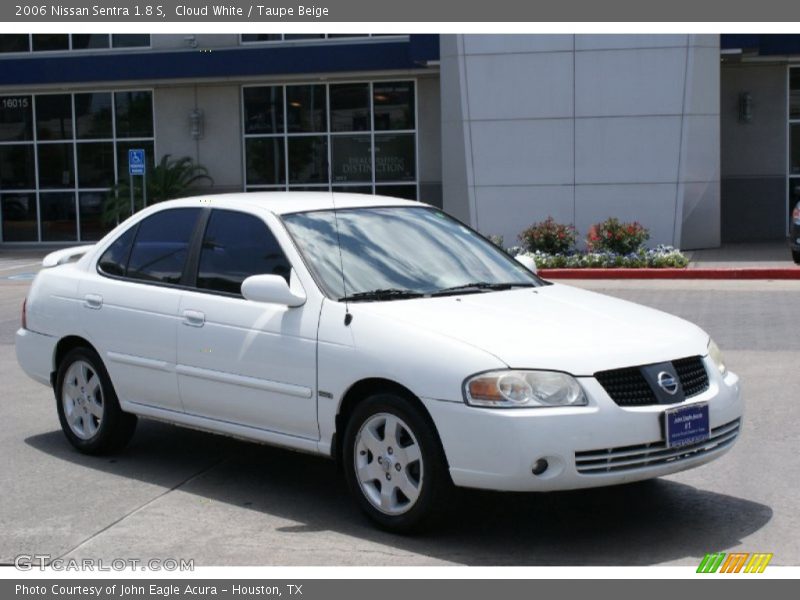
88, 408
394, 464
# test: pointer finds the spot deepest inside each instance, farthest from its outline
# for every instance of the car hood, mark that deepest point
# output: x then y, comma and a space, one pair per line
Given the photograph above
554, 327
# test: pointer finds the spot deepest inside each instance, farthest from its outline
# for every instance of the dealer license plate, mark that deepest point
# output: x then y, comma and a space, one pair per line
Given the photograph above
686, 425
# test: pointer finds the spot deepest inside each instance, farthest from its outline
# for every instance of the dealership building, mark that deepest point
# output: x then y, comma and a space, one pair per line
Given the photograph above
695, 136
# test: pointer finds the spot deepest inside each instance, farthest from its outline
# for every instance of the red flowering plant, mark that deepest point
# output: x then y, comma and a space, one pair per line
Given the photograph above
549, 236
613, 236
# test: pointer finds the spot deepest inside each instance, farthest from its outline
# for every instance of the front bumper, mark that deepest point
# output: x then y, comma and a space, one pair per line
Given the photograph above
497, 448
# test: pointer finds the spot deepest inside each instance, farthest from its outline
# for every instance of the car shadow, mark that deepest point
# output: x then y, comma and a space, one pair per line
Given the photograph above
636, 524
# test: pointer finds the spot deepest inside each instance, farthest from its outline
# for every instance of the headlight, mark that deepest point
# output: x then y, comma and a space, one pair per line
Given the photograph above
523, 389
715, 354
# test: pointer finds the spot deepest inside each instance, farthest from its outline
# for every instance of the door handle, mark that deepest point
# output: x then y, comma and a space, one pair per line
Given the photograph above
94, 301
194, 318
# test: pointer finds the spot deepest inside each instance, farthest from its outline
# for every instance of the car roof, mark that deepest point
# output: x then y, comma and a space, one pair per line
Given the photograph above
281, 203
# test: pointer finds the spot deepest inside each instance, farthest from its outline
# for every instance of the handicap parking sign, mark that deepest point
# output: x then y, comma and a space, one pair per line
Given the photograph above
136, 161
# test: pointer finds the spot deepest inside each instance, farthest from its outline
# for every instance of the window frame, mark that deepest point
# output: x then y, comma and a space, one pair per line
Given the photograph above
196, 269
328, 134
193, 247
74, 142
69, 49
188, 280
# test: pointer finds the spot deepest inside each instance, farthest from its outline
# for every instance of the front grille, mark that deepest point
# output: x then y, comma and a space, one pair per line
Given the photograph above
628, 386
692, 373
630, 458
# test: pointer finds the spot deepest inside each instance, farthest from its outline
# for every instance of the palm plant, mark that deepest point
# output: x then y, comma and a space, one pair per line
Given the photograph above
170, 178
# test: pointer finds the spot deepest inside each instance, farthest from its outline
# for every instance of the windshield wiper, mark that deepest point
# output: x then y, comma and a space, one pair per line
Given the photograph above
384, 294
477, 286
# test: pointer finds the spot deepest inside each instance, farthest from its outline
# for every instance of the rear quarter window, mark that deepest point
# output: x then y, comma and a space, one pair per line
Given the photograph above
114, 260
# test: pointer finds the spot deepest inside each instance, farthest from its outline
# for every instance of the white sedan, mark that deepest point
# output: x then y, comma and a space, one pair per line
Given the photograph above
376, 331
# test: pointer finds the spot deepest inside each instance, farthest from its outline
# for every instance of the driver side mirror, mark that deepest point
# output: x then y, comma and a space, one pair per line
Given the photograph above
272, 289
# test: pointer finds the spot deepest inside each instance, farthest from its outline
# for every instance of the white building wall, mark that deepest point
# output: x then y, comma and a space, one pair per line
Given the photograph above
220, 147
582, 128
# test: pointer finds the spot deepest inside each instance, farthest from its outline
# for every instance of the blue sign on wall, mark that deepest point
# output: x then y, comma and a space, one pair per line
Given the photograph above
136, 161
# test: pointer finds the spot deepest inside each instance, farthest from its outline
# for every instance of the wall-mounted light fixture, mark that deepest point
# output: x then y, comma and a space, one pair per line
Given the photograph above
745, 107
196, 123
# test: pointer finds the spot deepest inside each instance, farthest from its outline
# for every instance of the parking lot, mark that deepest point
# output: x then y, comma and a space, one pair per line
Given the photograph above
185, 494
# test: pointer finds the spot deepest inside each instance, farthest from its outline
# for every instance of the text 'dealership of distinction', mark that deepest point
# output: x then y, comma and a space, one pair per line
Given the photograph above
252, 12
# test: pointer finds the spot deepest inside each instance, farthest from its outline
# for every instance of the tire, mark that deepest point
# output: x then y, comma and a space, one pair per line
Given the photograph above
87, 405
796, 256
401, 482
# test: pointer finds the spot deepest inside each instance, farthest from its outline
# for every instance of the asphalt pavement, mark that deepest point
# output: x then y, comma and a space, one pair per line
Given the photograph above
184, 494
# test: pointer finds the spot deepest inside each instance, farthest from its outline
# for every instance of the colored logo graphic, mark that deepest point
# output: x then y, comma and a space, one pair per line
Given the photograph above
735, 562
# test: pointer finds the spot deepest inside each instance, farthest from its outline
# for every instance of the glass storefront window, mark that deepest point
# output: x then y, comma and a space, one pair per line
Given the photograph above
15, 43
306, 108
265, 161
409, 192
794, 156
130, 40
93, 115
48, 42
17, 167
56, 166
394, 105
25, 42
350, 107
58, 216
134, 114
59, 158
16, 118
344, 136
95, 164
54, 117
308, 159
394, 157
249, 38
93, 225
351, 158
89, 41
18, 212
263, 109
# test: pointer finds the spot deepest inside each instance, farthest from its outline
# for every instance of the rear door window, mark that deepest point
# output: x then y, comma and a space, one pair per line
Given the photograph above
115, 259
161, 247
235, 246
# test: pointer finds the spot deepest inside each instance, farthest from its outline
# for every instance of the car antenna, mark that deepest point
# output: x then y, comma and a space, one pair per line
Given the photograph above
348, 317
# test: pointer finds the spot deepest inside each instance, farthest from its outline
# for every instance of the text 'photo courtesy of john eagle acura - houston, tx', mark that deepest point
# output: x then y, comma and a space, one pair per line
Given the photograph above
376, 331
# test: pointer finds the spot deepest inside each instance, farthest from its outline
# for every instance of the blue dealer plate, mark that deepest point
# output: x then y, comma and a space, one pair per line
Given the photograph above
686, 425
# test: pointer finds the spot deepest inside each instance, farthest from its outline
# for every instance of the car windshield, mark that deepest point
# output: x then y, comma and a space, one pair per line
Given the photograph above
400, 252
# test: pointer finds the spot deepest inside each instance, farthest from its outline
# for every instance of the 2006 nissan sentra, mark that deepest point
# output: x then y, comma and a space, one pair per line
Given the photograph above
377, 331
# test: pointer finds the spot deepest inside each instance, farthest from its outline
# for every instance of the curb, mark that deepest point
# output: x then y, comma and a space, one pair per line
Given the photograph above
687, 273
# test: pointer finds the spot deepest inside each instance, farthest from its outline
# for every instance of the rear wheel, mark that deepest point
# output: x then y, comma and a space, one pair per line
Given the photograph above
87, 405
796, 256
394, 463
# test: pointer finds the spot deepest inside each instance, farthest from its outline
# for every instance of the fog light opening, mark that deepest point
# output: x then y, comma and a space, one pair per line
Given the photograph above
540, 466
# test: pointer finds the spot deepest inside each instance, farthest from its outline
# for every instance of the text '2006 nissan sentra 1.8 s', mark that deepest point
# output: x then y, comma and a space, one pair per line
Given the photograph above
377, 331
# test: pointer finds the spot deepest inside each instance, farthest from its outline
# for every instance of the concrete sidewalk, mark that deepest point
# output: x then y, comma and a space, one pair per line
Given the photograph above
754, 255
